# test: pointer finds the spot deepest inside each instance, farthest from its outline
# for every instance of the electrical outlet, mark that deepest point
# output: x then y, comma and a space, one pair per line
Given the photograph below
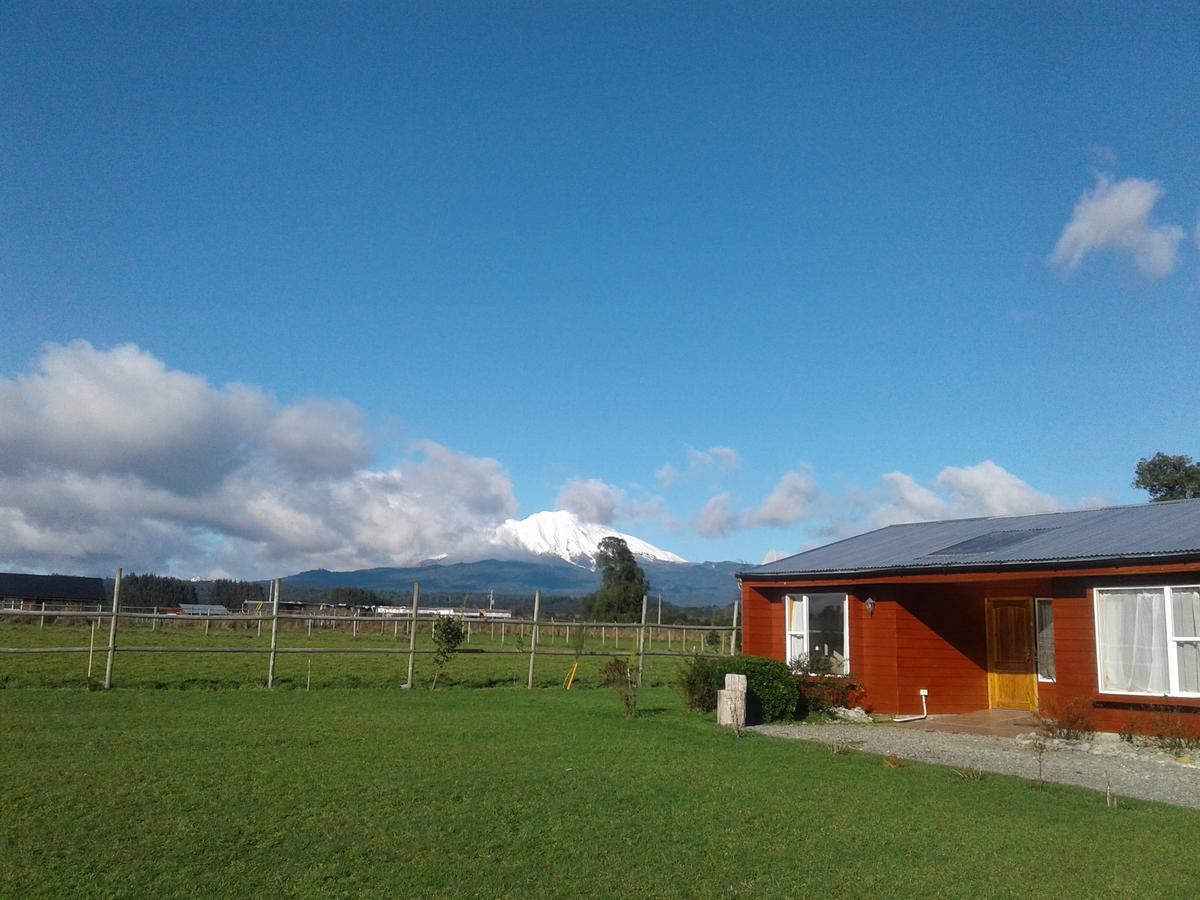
924, 693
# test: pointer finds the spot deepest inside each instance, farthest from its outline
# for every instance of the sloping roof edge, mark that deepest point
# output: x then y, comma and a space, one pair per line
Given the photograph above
982, 568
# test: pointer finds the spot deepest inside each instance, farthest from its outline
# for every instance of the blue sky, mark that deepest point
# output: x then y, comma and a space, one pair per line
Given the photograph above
589, 241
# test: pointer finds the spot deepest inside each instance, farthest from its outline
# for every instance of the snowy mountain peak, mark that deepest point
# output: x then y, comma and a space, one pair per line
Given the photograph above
562, 534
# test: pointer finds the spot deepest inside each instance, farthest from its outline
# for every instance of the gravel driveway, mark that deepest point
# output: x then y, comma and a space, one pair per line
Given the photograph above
1144, 775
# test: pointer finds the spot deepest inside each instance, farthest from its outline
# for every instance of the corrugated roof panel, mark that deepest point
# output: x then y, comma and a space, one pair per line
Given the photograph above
1147, 531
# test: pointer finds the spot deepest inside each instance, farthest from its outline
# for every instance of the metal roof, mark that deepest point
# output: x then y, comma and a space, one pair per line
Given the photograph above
1151, 532
19, 586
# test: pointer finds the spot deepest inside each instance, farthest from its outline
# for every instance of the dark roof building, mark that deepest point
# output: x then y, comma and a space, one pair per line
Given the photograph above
1152, 532
68, 588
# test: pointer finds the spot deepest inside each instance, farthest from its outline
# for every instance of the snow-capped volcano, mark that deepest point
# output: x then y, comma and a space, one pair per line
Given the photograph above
562, 534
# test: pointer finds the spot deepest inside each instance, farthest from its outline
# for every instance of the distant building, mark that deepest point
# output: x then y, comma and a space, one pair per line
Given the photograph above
21, 591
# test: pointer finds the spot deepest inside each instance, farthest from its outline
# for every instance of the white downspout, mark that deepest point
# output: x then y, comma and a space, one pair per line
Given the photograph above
924, 710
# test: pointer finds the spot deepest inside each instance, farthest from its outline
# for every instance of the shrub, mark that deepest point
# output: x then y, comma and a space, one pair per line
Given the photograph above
1073, 722
696, 682
448, 634
819, 694
770, 688
820, 689
619, 675
1168, 733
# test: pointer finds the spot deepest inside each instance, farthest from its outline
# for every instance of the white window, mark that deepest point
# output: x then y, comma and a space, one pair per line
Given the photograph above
1148, 640
817, 627
1045, 639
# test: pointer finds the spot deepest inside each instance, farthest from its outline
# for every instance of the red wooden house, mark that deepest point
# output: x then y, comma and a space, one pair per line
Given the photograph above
1017, 612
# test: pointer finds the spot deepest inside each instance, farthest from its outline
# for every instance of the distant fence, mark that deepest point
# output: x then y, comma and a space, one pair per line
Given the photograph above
637, 632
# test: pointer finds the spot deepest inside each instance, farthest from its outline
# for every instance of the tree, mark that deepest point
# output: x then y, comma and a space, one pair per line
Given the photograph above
448, 634
1168, 477
233, 595
622, 585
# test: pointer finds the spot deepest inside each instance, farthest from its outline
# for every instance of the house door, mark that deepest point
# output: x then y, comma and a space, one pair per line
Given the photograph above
1012, 671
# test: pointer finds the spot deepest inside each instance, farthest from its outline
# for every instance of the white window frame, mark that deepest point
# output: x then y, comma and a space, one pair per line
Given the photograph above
793, 602
1173, 641
1037, 638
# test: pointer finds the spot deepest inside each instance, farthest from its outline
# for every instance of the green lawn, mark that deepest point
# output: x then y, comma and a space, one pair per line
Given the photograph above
223, 671
508, 792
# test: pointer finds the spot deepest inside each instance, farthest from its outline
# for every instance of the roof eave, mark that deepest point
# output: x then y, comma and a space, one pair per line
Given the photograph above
981, 567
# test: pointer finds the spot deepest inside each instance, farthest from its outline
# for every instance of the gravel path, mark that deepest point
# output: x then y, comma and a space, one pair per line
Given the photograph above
1145, 775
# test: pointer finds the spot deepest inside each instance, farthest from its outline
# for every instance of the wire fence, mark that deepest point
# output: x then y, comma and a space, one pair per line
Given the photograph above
532, 637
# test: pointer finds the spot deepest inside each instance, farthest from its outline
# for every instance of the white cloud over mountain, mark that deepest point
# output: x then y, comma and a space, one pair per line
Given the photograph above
1115, 216
109, 457
591, 499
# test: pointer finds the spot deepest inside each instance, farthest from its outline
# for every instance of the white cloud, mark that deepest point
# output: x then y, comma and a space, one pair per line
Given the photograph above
666, 476
110, 458
771, 555
985, 489
717, 518
792, 500
590, 499
1115, 216
724, 459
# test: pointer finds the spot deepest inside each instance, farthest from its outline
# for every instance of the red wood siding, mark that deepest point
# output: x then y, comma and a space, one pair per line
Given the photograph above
762, 622
933, 635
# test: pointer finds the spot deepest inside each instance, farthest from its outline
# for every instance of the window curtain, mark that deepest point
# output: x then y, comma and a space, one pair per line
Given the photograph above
1133, 641
1045, 639
1185, 603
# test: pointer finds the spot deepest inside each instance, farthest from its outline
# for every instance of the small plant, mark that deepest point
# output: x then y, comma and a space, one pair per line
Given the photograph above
840, 748
970, 773
448, 635
578, 641
1073, 721
812, 664
1169, 734
1109, 800
1039, 753
891, 761
619, 675
1126, 734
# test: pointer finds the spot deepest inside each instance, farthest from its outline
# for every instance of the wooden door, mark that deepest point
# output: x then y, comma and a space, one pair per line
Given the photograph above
1012, 660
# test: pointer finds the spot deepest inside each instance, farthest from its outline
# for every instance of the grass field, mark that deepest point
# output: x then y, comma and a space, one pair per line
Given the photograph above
515, 793
223, 671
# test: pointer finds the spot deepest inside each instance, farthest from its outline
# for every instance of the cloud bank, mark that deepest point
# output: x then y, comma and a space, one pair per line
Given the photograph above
984, 489
108, 457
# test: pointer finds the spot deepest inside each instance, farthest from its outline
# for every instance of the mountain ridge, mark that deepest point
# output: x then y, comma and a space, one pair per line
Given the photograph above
685, 584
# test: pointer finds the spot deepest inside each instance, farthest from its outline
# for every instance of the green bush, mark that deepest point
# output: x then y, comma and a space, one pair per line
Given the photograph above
696, 681
770, 687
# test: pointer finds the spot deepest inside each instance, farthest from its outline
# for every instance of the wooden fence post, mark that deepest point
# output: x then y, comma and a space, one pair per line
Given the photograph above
91, 647
733, 631
42, 618
112, 632
641, 644
412, 633
274, 632
533, 636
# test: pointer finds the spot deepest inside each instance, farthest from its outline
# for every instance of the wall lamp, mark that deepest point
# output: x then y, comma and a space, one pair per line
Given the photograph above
870, 606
